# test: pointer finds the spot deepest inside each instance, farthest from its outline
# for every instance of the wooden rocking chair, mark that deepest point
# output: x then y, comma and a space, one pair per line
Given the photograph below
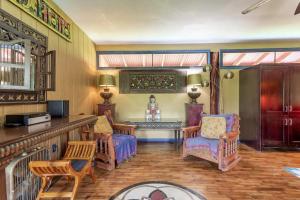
223, 150
77, 163
106, 150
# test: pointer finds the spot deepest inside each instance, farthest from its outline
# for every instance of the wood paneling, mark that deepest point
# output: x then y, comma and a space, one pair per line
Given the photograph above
75, 68
259, 175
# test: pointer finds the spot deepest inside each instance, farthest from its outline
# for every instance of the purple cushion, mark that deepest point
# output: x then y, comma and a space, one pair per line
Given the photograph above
125, 146
201, 142
229, 120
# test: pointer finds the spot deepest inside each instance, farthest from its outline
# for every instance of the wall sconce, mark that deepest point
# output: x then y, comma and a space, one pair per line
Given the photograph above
228, 75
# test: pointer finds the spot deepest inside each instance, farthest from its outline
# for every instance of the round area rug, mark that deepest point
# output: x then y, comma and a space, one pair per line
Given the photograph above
156, 190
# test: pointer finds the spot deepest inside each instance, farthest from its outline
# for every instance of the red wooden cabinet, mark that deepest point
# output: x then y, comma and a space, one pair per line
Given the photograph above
270, 106
193, 113
294, 107
274, 89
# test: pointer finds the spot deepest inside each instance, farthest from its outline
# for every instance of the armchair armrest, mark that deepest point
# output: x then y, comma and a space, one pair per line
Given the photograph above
124, 128
190, 132
102, 136
230, 136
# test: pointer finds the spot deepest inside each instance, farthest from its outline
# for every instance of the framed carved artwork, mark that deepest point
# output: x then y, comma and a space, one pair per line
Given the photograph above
152, 81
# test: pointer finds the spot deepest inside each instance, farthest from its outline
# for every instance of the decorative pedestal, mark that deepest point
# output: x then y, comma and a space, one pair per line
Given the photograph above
193, 114
103, 107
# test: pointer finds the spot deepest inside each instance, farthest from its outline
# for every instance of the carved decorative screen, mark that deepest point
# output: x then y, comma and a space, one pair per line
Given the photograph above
27, 70
150, 81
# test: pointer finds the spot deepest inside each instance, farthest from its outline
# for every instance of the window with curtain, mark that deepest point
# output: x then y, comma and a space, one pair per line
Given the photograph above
252, 57
152, 59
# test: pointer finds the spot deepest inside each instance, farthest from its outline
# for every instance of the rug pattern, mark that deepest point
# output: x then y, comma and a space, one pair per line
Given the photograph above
157, 190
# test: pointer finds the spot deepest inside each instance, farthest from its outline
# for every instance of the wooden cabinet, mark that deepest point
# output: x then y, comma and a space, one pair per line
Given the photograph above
193, 113
103, 107
270, 106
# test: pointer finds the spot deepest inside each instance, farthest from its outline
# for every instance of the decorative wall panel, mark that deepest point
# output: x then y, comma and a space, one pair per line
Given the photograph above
45, 13
152, 81
11, 29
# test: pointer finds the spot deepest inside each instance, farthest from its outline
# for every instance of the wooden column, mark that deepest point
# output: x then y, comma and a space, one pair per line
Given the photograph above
214, 83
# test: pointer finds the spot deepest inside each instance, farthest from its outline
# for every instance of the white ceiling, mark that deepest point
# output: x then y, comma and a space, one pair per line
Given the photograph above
182, 21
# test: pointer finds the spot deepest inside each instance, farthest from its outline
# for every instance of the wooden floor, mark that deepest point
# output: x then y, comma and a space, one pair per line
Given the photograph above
258, 175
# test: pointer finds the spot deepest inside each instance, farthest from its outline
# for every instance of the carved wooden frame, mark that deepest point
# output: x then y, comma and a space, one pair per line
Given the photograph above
12, 28
126, 75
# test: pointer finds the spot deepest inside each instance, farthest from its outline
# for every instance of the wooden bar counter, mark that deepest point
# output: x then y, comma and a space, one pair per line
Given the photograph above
14, 141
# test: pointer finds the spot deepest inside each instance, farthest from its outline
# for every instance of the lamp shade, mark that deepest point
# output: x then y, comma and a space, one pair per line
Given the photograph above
194, 79
106, 80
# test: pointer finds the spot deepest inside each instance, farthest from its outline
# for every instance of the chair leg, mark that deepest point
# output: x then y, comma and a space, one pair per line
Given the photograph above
75, 188
44, 184
92, 174
68, 178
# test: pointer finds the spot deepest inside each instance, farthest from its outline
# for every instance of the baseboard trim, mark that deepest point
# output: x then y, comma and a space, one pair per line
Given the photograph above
158, 140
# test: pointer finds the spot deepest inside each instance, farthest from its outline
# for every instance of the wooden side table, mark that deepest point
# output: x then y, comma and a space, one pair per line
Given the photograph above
103, 107
193, 113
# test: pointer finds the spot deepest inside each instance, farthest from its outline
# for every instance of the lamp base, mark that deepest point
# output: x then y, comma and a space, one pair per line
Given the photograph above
106, 97
194, 96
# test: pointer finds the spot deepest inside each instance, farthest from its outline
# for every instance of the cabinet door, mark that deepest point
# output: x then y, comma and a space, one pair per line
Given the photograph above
294, 107
274, 98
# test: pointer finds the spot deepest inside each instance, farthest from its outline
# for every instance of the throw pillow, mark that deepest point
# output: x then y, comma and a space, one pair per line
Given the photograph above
103, 126
213, 127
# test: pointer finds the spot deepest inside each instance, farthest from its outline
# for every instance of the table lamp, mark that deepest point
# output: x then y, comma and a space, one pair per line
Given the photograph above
106, 81
194, 80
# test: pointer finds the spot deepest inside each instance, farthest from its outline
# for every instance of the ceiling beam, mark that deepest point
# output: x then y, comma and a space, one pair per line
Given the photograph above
238, 60
282, 57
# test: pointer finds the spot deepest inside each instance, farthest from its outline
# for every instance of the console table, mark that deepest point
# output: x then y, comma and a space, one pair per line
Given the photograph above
15, 141
166, 124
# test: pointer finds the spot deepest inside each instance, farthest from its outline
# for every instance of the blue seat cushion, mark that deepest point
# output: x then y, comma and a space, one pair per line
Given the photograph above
78, 165
202, 142
125, 146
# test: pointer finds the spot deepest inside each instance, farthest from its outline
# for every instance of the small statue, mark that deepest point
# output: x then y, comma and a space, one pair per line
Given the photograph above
152, 112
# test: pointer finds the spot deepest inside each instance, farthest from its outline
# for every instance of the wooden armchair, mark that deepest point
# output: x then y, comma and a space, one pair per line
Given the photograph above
223, 151
77, 163
114, 145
